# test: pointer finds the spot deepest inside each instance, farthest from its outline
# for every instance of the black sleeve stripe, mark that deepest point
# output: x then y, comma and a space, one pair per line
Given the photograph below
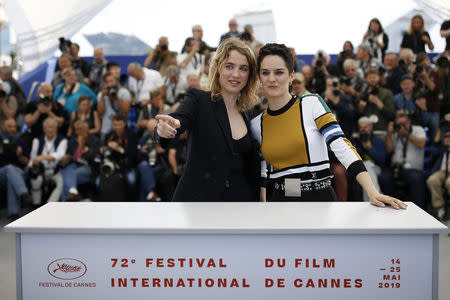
327, 125
335, 138
356, 167
321, 116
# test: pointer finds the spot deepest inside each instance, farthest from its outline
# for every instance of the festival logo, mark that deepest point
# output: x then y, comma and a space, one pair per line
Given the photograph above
67, 268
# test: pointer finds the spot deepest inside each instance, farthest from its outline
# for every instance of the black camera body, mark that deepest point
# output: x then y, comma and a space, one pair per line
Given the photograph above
398, 126
9, 147
419, 69
444, 126
36, 170
64, 45
45, 101
402, 63
345, 80
163, 47
113, 90
364, 136
374, 91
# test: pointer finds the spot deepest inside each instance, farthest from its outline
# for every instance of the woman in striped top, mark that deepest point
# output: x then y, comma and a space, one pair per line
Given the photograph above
294, 133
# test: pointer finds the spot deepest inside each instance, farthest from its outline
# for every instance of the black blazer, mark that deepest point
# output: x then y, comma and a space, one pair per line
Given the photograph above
210, 151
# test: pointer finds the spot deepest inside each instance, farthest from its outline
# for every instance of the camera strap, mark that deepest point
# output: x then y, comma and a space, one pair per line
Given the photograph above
405, 147
446, 164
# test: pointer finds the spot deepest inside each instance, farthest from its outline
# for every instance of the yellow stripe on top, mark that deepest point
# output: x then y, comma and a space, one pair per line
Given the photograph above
283, 143
324, 120
352, 147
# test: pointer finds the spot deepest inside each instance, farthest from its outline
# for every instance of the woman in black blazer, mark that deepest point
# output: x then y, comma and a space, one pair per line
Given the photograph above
222, 163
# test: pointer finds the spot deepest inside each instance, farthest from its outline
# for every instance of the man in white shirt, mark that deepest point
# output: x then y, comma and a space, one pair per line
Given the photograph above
407, 142
190, 58
46, 152
142, 81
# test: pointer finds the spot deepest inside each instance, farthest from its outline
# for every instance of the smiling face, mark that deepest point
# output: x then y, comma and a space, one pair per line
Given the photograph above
233, 74
274, 76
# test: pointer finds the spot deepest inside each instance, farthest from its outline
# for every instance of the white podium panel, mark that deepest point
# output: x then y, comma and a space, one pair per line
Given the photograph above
187, 251
226, 267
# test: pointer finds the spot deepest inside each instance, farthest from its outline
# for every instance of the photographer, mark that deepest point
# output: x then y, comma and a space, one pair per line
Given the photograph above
78, 62
377, 39
120, 147
407, 101
443, 64
14, 156
416, 37
406, 142
393, 73
42, 108
153, 107
373, 153
346, 53
96, 70
46, 152
320, 72
68, 93
197, 34
161, 57
429, 83
341, 102
64, 61
141, 82
406, 59
77, 166
439, 179
111, 100
190, 58
12, 97
85, 113
298, 85
375, 100
151, 166
353, 77
173, 85
364, 55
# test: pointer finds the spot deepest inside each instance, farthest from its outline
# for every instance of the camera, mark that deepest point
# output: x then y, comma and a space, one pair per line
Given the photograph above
374, 91
397, 126
108, 166
345, 80
335, 89
2, 94
419, 69
363, 136
45, 101
163, 47
397, 168
319, 61
64, 45
113, 90
9, 147
402, 63
444, 126
381, 70
36, 170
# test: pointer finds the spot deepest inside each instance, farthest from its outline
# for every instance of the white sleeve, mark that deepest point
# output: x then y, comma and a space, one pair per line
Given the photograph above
60, 151
34, 149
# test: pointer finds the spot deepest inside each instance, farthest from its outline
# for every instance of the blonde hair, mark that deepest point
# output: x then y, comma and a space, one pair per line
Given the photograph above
248, 96
411, 29
66, 71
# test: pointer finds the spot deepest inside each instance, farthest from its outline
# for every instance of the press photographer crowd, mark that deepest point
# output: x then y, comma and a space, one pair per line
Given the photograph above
89, 134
